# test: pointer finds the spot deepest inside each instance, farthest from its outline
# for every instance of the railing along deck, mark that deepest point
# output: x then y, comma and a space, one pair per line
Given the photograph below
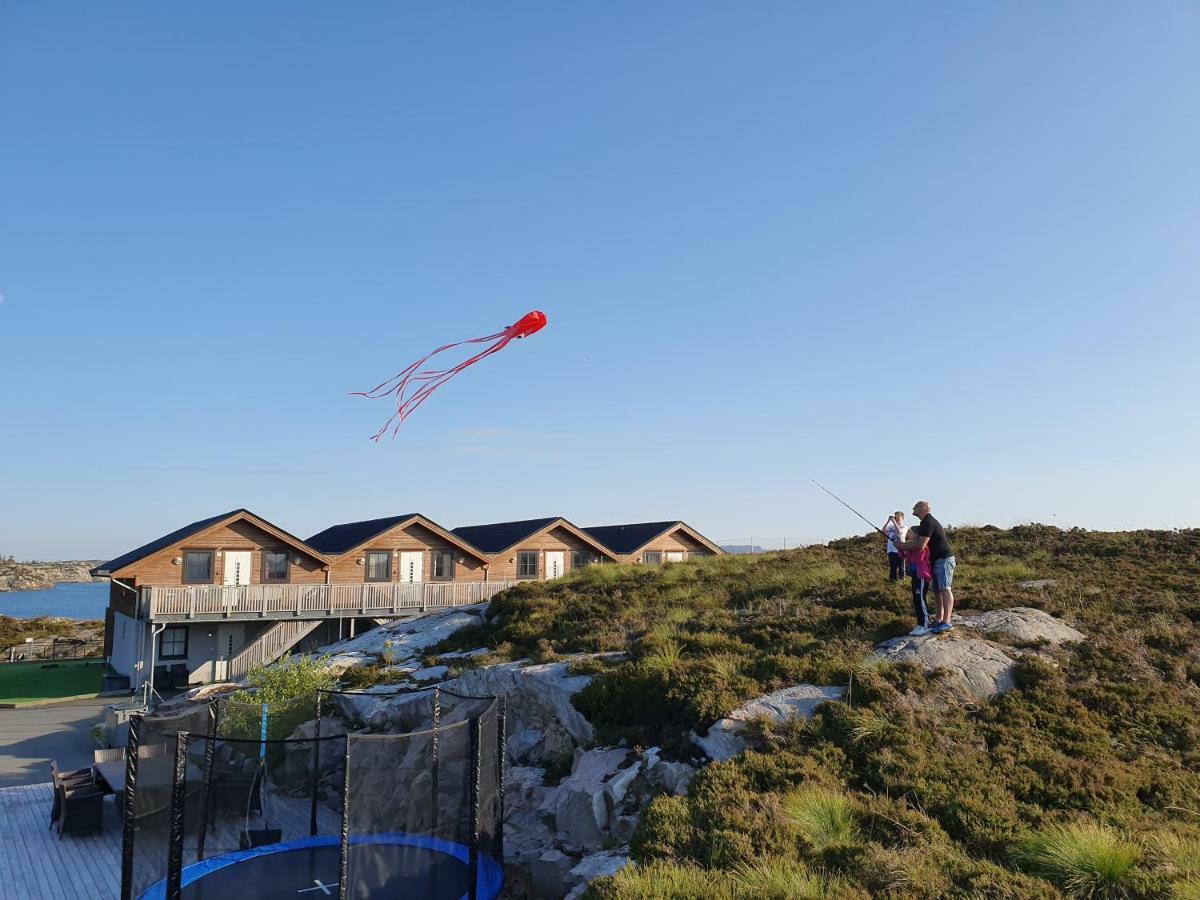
310, 601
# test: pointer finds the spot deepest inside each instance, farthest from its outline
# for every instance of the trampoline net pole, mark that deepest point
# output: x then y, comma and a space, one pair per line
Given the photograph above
206, 802
437, 719
178, 794
501, 731
127, 829
473, 846
344, 852
315, 788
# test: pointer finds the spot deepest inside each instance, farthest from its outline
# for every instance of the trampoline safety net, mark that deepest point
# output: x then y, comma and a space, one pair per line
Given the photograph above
213, 813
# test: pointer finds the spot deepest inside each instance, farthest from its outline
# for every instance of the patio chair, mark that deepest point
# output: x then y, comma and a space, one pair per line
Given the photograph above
78, 778
82, 810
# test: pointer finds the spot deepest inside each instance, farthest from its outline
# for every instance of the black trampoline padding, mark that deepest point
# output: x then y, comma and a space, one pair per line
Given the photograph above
381, 866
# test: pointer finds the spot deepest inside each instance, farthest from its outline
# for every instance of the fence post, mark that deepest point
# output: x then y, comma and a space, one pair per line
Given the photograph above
209, 758
501, 732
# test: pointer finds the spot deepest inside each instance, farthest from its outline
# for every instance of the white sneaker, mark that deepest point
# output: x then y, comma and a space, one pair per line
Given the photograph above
919, 631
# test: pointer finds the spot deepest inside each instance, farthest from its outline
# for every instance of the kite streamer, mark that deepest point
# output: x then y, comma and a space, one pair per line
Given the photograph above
424, 383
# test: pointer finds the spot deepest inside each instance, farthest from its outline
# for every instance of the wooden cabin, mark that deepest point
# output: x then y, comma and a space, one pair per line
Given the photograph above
654, 543
535, 549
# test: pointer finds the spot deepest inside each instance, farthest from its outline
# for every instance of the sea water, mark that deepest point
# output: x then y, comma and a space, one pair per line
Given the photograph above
80, 600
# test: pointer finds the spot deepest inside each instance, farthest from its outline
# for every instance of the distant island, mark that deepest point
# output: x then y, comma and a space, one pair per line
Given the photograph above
38, 576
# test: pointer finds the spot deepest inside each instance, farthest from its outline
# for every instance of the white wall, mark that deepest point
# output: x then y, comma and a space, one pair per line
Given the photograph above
128, 637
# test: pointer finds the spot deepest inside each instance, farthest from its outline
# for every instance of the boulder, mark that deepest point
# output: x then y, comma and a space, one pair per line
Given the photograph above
585, 800
1022, 624
978, 667
548, 873
724, 741
672, 777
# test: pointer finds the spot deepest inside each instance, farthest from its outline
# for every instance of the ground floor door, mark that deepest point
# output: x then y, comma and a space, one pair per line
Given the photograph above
411, 564
673, 556
230, 639
554, 563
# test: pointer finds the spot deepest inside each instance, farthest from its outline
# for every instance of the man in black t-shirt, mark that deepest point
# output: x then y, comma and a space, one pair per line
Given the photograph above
941, 559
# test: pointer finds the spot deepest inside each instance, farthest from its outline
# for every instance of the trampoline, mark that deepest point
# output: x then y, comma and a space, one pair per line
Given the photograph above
215, 809
395, 865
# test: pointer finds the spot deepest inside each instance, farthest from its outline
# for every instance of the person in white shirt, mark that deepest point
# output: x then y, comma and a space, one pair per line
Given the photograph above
894, 529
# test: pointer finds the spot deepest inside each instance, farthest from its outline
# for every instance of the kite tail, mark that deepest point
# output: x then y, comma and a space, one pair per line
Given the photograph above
432, 379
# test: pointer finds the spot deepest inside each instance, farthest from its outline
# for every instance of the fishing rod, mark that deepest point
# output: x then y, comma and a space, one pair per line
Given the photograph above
848, 506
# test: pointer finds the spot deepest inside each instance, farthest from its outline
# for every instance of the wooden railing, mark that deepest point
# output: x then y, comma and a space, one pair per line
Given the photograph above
269, 646
311, 601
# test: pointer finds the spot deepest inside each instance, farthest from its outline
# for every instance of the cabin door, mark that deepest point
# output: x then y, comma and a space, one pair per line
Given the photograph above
554, 563
410, 566
237, 567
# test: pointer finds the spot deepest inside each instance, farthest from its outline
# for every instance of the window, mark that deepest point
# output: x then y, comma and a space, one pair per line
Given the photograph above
275, 565
527, 564
652, 558
197, 567
173, 642
580, 559
379, 565
443, 565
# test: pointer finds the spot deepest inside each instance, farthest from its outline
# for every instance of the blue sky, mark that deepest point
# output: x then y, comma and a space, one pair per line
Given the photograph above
912, 250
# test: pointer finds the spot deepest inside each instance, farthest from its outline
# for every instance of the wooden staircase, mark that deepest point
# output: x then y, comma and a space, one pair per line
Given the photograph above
269, 646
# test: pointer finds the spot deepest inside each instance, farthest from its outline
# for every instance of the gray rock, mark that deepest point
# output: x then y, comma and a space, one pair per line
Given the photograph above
624, 827
433, 673
524, 746
723, 740
1022, 624
528, 821
547, 874
672, 777
538, 699
1036, 584
584, 800
598, 865
981, 668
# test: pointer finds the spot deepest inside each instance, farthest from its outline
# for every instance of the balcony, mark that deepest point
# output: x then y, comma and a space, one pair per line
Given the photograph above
208, 603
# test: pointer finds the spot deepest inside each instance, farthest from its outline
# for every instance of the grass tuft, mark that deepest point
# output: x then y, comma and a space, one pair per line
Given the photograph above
824, 818
1085, 860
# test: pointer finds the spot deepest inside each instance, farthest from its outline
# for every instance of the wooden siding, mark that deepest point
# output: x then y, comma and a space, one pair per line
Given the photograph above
671, 542
158, 569
504, 565
411, 537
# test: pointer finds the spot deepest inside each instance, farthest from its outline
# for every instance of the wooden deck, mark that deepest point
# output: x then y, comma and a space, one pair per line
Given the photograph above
36, 865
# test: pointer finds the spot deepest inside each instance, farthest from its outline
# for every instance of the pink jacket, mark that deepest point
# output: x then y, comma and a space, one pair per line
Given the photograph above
920, 562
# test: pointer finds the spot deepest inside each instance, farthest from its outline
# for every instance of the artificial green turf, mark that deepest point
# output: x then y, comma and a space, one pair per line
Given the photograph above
25, 681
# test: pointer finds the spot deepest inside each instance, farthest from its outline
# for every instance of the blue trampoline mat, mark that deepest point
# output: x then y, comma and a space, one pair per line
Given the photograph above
381, 866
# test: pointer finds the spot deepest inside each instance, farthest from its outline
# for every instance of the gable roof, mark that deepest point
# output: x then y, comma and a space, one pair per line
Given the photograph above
627, 539
187, 531
501, 536
337, 540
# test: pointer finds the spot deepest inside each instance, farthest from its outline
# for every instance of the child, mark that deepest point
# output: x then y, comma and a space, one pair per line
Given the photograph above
894, 529
922, 573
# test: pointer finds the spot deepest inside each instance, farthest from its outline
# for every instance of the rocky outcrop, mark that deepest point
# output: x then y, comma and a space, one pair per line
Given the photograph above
543, 725
723, 739
39, 576
1021, 624
402, 644
977, 667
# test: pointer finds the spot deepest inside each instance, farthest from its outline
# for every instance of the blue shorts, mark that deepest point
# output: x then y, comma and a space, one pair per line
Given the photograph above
943, 573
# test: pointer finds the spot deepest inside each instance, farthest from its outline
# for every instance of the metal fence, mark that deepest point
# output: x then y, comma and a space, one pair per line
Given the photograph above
54, 648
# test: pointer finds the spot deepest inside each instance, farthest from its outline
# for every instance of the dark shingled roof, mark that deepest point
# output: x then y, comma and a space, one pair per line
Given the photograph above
340, 538
165, 541
627, 538
501, 535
